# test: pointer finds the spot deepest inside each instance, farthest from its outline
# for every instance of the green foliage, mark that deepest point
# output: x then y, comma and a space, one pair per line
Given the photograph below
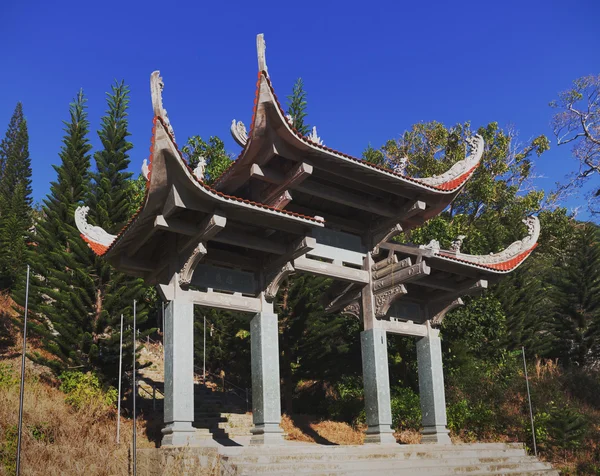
213, 152
8, 448
8, 378
406, 409
15, 199
346, 401
576, 298
297, 107
85, 390
566, 428
373, 156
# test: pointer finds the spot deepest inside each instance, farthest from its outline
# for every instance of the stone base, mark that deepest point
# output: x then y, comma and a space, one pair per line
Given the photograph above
267, 434
435, 435
380, 435
178, 434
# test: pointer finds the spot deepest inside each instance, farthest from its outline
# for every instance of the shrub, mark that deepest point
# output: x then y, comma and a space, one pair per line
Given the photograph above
85, 390
7, 376
406, 409
8, 448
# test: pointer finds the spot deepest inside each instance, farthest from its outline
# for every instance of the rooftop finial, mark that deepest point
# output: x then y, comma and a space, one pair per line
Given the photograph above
156, 87
261, 47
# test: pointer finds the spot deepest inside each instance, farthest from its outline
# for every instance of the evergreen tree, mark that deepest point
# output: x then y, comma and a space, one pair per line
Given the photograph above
297, 107
373, 156
110, 207
61, 292
15, 199
576, 296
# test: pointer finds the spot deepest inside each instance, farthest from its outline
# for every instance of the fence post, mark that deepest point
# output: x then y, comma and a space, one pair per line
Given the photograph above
153, 398
530, 408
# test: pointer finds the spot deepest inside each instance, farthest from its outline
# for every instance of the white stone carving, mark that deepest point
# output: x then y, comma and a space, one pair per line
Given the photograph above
91, 232
313, 137
352, 309
199, 170
275, 279
261, 49
290, 119
457, 243
476, 143
239, 133
187, 271
400, 167
432, 245
156, 87
145, 169
513, 250
384, 300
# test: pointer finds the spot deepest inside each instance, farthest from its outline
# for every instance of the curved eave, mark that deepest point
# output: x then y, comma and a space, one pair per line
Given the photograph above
504, 261
265, 94
152, 202
502, 267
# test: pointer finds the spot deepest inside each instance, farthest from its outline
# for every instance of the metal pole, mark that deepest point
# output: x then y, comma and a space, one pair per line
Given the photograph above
120, 373
22, 375
529, 398
204, 356
134, 393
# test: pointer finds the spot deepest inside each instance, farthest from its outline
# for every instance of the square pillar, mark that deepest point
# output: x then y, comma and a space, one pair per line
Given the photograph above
431, 388
266, 400
179, 373
376, 381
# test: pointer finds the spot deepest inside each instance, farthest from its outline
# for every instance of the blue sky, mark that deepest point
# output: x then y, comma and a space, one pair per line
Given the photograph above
371, 69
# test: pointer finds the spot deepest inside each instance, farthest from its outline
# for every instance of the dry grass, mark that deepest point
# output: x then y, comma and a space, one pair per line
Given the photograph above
57, 439
310, 430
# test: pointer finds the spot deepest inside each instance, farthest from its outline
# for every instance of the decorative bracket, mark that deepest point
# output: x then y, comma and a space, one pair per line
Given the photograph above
352, 309
275, 279
384, 300
187, 271
440, 311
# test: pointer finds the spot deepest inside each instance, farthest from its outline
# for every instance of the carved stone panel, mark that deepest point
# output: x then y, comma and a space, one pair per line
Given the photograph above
224, 279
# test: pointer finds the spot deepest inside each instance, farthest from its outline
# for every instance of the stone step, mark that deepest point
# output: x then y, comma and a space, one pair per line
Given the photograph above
379, 455
429, 467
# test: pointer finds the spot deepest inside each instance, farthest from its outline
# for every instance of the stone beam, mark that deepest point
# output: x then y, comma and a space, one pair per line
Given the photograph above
391, 268
295, 177
405, 275
229, 302
404, 328
207, 230
252, 242
349, 199
331, 270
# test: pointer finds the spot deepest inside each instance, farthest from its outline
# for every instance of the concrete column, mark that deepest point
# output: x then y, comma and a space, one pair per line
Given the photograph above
376, 380
431, 388
266, 403
179, 373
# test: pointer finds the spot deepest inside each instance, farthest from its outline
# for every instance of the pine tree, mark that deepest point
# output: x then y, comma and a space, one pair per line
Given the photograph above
61, 292
110, 208
297, 107
15, 199
576, 297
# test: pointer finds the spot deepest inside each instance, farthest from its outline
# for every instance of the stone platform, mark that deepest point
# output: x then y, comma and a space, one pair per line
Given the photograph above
310, 459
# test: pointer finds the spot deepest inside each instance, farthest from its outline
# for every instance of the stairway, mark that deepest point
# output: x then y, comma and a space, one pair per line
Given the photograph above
403, 460
217, 414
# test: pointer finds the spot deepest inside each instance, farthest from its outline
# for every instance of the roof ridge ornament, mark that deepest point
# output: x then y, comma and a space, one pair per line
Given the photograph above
156, 87
400, 167
145, 170
239, 132
513, 251
476, 144
200, 168
313, 137
261, 48
92, 233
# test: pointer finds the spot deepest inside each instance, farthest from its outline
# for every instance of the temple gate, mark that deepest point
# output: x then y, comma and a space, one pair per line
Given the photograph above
289, 204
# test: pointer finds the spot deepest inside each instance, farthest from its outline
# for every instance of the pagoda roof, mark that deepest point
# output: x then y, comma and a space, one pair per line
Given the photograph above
281, 167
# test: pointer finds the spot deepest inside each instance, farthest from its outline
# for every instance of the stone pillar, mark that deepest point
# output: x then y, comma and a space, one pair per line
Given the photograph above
266, 402
431, 388
376, 380
179, 373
